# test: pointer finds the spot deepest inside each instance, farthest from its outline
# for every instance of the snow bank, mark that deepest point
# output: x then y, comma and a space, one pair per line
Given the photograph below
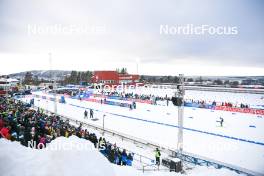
69, 160
74, 156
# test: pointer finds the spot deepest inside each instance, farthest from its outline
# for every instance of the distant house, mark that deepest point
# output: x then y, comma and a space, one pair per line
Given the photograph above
47, 85
114, 78
13, 82
250, 82
7, 84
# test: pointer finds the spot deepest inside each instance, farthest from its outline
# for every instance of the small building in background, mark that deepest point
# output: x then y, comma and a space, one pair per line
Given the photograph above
8, 84
114, 78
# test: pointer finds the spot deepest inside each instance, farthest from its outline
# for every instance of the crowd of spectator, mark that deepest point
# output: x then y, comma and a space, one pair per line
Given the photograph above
214, 103
241, 105
70, 92
154, 99
132, 95
19, 122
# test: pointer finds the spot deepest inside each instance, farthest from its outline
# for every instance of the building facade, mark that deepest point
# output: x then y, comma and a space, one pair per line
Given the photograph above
114, 78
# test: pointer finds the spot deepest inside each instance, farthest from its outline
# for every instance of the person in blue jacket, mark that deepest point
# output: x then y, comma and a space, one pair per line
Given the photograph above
129, 159
124, 157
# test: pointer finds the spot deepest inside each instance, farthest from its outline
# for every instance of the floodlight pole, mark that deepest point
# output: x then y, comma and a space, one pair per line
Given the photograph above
54, 85
180, 94
55, 95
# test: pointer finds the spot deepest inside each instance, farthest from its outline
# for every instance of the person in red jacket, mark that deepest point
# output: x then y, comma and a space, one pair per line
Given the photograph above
5, 132
42, 142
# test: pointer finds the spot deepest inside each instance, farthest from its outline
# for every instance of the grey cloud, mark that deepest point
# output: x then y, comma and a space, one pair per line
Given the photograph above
133, 29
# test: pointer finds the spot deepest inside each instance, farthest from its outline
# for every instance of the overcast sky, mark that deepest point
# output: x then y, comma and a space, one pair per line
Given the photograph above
126, 33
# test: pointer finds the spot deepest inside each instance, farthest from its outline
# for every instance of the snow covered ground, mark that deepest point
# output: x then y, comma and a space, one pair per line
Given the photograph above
236, 98
144, 123
73, 156
246, 98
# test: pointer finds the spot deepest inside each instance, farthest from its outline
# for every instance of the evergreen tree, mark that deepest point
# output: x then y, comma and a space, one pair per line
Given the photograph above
77, 77
28, 79
218, 82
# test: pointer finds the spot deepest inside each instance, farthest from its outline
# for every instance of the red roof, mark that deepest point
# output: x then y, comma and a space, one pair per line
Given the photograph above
106, 75
114, 76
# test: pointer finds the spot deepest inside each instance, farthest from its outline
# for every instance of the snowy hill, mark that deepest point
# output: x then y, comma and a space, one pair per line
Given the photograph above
43, 74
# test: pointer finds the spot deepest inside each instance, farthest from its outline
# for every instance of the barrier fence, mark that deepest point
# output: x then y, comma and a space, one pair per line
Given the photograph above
125, 104
123, 98
240, 110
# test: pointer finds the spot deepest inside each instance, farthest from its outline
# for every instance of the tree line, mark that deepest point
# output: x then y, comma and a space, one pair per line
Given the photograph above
75, 77
85, 77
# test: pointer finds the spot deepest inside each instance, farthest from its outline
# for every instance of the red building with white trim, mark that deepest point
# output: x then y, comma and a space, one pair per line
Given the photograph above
114, 78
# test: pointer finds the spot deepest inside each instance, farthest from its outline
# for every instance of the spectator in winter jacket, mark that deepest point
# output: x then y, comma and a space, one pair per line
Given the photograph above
118, 157
124, 157
5, 132
27, 136
129, 159
111, 156
100, 141
42, 142
66, 133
